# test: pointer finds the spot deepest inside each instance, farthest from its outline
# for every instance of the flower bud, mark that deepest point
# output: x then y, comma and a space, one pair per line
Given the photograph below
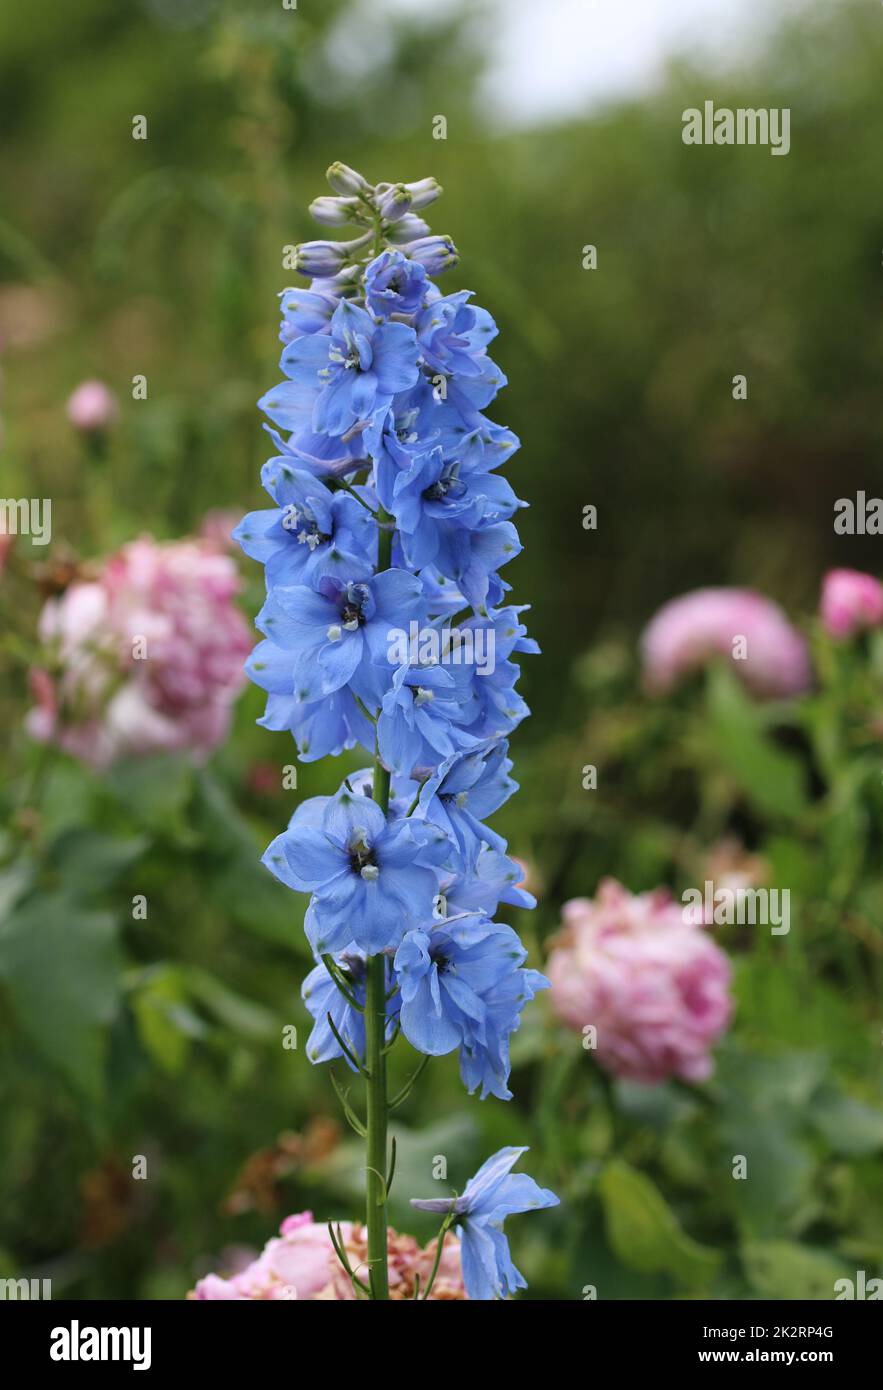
435, 253
408, 228
345, 180
851, 601
92, 407
394, 203
424, 192
324, 259
334, 212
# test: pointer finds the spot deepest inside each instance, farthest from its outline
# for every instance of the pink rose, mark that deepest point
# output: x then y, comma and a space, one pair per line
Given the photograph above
300, 1263
851, 601
654, 986
147, 657
692, 630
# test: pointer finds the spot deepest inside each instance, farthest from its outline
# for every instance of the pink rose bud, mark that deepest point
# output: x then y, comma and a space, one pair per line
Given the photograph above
747, 630
851, 601
93, 406
647, 988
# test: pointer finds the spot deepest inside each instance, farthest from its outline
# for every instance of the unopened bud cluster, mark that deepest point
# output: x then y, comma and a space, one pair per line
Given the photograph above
387, 215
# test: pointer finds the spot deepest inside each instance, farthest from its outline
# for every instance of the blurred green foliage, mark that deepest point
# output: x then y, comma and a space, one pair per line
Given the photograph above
161, 1037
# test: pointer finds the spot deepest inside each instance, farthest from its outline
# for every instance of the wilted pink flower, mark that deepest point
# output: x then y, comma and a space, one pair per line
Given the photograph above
690, 631
146, 657
92, 406
850, 602
301, 1264
653, 985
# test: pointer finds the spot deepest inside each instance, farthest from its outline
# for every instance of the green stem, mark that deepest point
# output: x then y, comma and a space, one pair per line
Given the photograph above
376, 1110
375, 1059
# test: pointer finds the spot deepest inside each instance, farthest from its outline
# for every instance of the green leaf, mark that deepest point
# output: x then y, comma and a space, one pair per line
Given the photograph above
241, 1016
237, 881
850, 1127
161, 1016
644, 1231
155, 791
784, 1269
89, 861
772, 780
61, 966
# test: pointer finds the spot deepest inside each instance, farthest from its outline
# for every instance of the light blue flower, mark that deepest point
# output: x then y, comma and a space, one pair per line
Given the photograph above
462, 985
323, 997
320, 728
395, 285
419, 723
338, 379
311, 532
488, 1198
463, 791
371, 879
337, 631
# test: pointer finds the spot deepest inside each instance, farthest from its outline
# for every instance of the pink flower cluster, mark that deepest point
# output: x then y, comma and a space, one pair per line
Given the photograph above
146, 657
771, 658
300, 1263
851, 601
654, 986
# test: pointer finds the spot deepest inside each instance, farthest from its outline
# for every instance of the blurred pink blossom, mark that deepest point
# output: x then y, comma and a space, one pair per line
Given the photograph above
654, 986
300, 1263
146, 657
217, 526
92, 406
692, 630
851, 601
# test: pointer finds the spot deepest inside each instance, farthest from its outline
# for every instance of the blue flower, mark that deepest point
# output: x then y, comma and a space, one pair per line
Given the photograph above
305, 312
395, 285
338, 379
434, 497
337, 632
465, 789
452, 334
420, 716
370, 878
322, 997
488, 1198
462, 986
310, 533
492, 879
319, 727
410, 425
